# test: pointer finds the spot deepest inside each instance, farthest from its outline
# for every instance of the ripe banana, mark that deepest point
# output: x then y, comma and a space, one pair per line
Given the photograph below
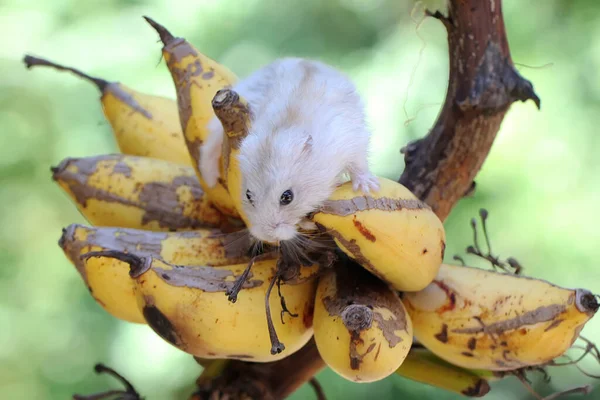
421, 365
143, 125
235, 116
390, 232
137, 192
197, 79
108, 279
362, 330
187, 307
480, 319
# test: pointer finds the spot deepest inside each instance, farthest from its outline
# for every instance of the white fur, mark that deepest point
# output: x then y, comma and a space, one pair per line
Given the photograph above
308, 129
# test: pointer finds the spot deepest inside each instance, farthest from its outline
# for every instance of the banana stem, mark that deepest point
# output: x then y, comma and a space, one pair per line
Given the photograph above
276, 346
239, 282
31, 61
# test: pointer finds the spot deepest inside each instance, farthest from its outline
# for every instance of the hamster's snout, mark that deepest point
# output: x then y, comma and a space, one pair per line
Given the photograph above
274, 233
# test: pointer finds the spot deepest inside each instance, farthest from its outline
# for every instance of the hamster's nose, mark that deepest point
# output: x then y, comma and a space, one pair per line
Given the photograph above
284, 231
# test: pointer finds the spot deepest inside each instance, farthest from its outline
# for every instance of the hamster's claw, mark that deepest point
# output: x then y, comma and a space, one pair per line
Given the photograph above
365, 183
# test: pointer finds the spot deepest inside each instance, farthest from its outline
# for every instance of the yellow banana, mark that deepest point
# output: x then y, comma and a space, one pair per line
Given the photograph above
234, 114
187, 307
480, 319
197, 79
137, 192
421, 365
390, 232
362, 330
143, 124
108, 279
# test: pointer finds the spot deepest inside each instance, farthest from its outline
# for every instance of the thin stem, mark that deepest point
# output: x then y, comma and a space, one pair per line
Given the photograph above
317, 388
276, 346
31, 61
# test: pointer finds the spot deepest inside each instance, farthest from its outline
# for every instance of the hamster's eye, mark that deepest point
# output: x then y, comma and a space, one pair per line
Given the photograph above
286, 197
249, 196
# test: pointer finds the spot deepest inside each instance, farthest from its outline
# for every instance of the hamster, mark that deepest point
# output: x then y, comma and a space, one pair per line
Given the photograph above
308, 130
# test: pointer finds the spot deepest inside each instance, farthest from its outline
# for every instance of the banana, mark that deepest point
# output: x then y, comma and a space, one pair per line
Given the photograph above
390, 232
235, 116
197, 79
137, 192
362, 330
187, 307
421, 365
108, 279
143, 124
480, 319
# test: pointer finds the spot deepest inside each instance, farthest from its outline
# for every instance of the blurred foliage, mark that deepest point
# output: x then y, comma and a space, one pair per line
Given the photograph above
541, 182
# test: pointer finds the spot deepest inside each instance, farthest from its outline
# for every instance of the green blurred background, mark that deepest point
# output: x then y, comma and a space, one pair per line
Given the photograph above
541, 182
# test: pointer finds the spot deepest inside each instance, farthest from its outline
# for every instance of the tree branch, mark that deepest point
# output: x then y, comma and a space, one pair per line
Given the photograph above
440, 167
483, 83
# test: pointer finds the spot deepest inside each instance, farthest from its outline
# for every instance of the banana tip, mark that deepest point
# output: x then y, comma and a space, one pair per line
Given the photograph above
67, 233
586, 301
28, 60
57, 170
479, 389
165, 36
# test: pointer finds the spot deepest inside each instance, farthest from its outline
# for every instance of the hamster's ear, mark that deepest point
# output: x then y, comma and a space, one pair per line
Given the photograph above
307, 147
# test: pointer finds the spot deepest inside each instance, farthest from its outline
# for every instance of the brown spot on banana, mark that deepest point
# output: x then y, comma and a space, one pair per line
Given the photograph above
443, 335
472, 343
160, 323
378, 350
307, 318
355, 357
363, 203
363, 230
552, 325
450, 296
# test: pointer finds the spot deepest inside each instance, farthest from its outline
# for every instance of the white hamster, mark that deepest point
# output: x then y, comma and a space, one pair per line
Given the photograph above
308, 129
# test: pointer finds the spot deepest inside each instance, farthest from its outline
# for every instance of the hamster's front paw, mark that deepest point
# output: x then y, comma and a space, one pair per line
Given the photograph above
365, 182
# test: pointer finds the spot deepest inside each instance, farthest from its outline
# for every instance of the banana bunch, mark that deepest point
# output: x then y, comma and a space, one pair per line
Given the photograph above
167, 251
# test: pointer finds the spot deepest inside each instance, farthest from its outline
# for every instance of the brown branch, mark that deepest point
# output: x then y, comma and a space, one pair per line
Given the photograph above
483, 83
440, 167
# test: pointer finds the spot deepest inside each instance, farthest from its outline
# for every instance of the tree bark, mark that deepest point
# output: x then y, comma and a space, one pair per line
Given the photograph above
483, 83
440, 167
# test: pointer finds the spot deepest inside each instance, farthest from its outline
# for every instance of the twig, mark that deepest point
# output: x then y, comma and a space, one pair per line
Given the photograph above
318, 388
128, 394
